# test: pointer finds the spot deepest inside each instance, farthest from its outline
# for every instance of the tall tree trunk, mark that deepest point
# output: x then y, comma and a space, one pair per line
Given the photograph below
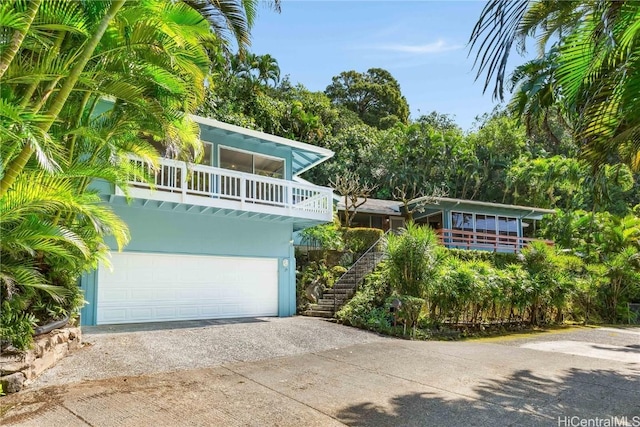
18, 37
21, 160
31, 89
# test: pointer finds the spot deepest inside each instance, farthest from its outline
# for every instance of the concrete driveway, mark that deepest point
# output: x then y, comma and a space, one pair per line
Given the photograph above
301, 371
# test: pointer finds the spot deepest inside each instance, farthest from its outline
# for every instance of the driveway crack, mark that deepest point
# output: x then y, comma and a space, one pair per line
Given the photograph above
78, 416
283, 394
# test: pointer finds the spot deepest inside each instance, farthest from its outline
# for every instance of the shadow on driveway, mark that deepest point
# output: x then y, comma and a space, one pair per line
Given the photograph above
162, 326
522, 399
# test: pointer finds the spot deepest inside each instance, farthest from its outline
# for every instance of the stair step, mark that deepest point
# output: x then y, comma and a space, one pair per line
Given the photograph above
338, 292
344, 289
314, 313
327, 308
321, 307
329, 301
345, 285
341, 288
347, 279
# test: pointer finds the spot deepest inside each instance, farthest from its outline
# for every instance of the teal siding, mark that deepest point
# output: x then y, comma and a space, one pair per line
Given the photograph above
293, 303
446, 218
162, 231
158, 230
88, 286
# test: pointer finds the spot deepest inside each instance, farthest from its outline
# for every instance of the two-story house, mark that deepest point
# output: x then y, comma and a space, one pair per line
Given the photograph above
212, 240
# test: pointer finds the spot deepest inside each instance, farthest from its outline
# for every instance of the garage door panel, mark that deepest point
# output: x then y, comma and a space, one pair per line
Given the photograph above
159, 287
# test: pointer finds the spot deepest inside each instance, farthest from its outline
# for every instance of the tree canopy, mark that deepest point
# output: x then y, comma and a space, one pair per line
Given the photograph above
586, 72
375, 96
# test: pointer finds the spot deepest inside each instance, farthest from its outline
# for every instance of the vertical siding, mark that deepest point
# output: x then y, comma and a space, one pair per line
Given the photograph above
88, 284
446, 218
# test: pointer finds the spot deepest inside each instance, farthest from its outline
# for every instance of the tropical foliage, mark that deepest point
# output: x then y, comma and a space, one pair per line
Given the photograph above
412, 259
609, 245
471, 290
527, 158
375, 96
85, 85
586, 72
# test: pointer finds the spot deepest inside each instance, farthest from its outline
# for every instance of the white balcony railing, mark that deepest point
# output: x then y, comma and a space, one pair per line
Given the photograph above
203, 185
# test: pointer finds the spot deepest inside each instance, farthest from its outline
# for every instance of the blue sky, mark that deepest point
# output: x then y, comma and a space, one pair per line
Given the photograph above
422, 43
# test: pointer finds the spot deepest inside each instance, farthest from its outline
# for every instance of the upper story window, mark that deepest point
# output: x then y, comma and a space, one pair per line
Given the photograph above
245, 161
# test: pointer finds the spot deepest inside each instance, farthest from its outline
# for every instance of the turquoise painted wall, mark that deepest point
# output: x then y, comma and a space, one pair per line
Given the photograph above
446, 218
166, 231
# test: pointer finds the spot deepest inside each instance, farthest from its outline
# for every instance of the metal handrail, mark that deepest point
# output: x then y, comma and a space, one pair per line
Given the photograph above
354, 266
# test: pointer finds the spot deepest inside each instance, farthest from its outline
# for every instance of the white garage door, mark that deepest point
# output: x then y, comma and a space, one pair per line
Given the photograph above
143, 287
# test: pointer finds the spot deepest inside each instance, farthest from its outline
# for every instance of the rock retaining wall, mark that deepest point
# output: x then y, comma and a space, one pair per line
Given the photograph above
16, 366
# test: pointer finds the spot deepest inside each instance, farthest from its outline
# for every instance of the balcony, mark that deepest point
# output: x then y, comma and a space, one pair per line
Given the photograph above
227, 191
460, 239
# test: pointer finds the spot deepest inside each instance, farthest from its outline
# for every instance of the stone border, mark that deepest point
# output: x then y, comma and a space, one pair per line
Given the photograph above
16, 367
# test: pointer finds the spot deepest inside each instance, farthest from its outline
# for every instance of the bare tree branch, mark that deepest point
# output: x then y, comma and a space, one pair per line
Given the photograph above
355, 193
407, 193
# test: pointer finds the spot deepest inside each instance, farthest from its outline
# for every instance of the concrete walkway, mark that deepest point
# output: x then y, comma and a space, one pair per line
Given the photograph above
378, 382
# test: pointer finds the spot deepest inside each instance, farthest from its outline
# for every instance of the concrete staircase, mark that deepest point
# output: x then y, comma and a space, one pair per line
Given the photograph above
345, 287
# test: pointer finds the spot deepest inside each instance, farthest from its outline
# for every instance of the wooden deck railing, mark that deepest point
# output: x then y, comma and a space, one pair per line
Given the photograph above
174, 180
485, 241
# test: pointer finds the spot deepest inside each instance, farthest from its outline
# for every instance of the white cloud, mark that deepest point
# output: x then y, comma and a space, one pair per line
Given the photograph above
422, 49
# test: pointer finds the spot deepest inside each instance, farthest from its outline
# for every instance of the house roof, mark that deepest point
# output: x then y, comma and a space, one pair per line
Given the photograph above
374, 206
391, 207
522, 211
304, 156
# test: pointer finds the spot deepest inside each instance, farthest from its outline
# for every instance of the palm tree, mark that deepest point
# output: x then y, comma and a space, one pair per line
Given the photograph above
268, 69
82, 54
505, 23
15, 24
235, 17
534, 98
51, 234
61, 60
103, 49
595, 66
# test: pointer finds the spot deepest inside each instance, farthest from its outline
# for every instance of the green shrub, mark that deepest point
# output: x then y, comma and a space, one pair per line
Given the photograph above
326, 236
26, 307
551, 282
338, 271
372, 295
498, 259
378, 319
16, 324
412, 258
360, 239
409, 310
473, 290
